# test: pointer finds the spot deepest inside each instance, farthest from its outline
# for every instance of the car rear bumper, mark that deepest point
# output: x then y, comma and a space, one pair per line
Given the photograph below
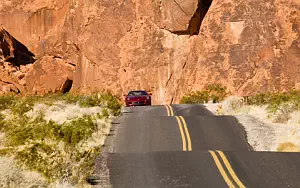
138, 103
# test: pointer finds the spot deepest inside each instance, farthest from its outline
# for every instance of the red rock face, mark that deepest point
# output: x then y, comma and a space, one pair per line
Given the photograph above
49, 75
248, 46
20, 73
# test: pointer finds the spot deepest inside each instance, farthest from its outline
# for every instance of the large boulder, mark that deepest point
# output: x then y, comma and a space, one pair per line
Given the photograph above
49, 75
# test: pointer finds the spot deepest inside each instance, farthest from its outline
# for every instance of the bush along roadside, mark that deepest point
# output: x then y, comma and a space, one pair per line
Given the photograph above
60, 152
214, 92
280, 106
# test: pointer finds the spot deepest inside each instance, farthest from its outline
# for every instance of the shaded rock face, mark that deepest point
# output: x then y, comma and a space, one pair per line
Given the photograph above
13, 51
20, 73
12, 55
167, 47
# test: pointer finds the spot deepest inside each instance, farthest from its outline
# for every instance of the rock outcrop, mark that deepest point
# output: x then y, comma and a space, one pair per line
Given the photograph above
21, 73
249, 46
13, 55
49, 75
167, 47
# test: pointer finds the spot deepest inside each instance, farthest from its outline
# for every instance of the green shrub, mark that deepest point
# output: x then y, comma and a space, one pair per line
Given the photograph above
26, 130
21, 130
39, 157
77, 130
288, 147
196, 97
214, 92
57, 151
21, 105
275, 99
89, 101
279, 105
24, 104
2, 123
102, 99
217, 92
259, 99
6, 101
35, 143
70, 98
105, 113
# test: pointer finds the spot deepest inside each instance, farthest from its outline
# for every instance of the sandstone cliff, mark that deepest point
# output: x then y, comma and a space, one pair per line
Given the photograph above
165, 46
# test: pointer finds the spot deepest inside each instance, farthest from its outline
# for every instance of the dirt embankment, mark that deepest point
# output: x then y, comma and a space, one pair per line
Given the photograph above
262, 133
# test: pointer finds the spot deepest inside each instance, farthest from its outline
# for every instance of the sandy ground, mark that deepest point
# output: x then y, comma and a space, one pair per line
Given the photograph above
262, 134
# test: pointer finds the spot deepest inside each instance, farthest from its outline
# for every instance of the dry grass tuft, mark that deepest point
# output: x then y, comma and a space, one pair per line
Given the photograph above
231, 105
288, 147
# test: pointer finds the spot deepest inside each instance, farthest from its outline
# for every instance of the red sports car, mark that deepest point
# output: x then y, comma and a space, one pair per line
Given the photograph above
138, 98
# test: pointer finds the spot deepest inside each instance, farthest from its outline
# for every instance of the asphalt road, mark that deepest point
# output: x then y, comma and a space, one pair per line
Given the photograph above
187, 146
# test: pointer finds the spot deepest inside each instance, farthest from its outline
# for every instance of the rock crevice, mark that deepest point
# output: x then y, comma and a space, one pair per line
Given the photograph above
197, 18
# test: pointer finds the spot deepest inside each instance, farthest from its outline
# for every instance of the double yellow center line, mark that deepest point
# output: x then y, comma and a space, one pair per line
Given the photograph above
185, 135
169, 110
184, 132
219, 157
229, 177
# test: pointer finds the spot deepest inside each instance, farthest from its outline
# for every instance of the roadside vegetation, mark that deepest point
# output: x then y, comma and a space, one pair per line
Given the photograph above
280, 106
277, 117
271, 119
213, 92
55, 136
288, 147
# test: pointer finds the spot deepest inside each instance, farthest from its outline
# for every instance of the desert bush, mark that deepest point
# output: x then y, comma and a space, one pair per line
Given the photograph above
195, 97
25, 130
1, 121
279, 105
260, 99
6, 101
12, 176
279, 101
232, 104
217, 92
77, 130
54, 150
275, 100
103, 99
288, 147
21, 105
58, 151
214, 92
70, 98
281, 113
105, 113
